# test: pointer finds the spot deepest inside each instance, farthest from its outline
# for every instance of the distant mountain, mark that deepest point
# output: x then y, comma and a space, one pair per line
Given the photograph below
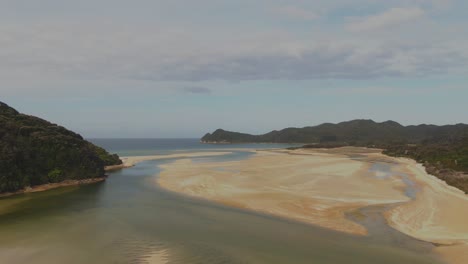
442, 149
354, 133
34, 152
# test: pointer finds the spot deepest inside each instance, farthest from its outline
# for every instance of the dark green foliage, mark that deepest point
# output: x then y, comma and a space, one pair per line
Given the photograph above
108, 159
222, 136
446, 158
55, 175
34, 151
451, 153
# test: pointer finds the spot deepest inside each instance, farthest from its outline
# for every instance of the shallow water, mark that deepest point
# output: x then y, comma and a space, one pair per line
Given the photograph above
372, 217
128, 218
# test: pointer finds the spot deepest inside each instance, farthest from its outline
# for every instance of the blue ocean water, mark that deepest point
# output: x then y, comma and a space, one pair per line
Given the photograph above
160, 146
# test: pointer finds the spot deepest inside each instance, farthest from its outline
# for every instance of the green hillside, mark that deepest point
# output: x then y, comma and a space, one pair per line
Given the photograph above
355, 132
34, 151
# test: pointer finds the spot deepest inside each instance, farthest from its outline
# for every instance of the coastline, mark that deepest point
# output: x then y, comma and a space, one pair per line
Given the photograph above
50, 186
437, 213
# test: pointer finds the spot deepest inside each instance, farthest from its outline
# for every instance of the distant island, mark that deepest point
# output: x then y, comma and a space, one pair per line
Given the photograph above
442, 149
35, 152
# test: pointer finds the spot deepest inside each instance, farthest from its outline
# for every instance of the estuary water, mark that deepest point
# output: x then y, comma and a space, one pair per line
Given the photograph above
129, 219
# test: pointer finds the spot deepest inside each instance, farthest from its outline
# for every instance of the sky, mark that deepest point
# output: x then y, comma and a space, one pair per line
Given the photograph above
173, 68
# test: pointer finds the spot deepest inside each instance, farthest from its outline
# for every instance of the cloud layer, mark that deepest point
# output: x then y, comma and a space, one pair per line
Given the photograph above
398, 41
389, 18
110, 53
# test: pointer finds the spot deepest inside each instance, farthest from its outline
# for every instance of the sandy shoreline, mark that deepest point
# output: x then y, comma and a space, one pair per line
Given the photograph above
50, 186
321, 186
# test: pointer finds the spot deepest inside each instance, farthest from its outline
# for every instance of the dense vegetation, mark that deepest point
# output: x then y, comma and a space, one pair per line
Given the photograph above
443, 149
444, 158
34, 151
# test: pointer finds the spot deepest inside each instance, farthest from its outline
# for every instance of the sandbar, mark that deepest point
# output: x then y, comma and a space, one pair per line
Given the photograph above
313, 187
319, 186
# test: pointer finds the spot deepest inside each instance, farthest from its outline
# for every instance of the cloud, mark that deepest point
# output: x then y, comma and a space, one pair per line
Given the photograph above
197, 90
441, 4
316, 61
391, 17
296, 13
113, 52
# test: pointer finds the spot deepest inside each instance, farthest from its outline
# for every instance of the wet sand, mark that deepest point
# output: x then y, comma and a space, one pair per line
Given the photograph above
439, 214
322, 186
313, 187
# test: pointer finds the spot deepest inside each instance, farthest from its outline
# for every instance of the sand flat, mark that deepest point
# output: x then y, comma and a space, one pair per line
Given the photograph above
320, 186
317, 188
439, 214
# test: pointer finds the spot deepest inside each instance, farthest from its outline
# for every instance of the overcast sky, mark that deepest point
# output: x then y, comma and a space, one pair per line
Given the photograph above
180, 68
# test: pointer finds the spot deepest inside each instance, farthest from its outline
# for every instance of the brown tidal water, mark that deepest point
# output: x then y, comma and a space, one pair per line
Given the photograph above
127, 219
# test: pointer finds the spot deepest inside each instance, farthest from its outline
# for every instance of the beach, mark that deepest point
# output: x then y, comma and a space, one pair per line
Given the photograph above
322, 186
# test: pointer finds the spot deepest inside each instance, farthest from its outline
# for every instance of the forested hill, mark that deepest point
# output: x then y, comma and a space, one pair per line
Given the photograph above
354, 133
442, 149
34, 152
